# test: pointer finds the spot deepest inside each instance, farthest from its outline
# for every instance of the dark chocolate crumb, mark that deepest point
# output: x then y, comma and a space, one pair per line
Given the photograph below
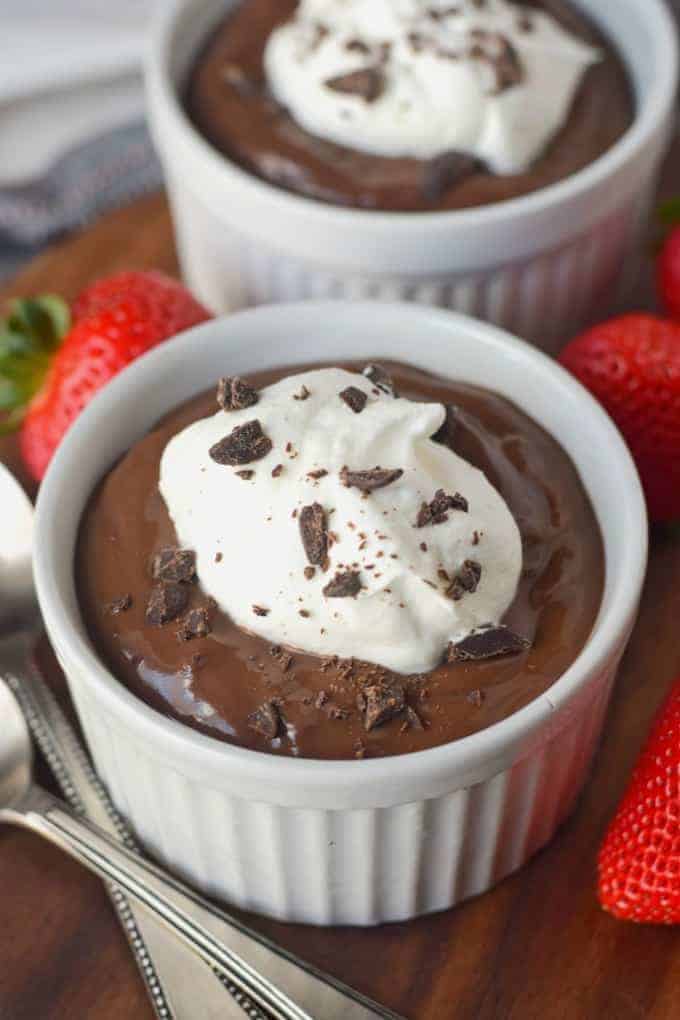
357, 46
166, 602
233, 394
243, 445
381, 702
487, 643
316, 475
413, 719
381, 378
436, 511
314, 534
304, 613
120, 605
218, 557
266, 720
354, 398
465, 581
475, 697
176, 565
343, 585
303, 394
423, 546
310, 572
368, 481
277, 470
260, 611
475, 538
246, 474
368, 83
196, 624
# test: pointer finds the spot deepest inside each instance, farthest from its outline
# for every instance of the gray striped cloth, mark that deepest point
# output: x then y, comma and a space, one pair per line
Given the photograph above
93, 177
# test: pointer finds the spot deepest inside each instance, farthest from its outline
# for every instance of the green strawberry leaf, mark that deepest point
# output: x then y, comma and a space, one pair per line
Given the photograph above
29, 336
668, 212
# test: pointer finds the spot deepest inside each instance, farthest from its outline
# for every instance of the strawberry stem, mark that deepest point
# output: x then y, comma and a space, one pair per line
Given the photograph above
29, 336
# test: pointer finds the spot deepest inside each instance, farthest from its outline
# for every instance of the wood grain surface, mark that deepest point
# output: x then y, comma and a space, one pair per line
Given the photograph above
536, 948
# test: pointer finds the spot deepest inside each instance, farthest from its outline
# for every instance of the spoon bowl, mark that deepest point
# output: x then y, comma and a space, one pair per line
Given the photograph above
16, 752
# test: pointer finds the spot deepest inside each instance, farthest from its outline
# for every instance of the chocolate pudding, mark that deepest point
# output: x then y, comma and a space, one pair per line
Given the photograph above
161, 634
230, 100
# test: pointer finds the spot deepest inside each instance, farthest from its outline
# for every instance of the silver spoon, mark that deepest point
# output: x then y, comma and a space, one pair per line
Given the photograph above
294, 991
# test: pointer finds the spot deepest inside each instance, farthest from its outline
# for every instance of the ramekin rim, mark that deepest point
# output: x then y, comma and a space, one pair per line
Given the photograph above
609, 631
646, 122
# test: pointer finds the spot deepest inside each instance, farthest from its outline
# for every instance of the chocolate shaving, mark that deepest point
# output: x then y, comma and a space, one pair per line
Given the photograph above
445, 171
304, 613
166, 602
465, 581
316, 475
381, 702
309, 572
357, 46
345, 584
176, 565
435, 512
260, 611
196, 624
277, 470
368, 83
487, 643
219, 557
381, 378
243, 445
120, 605
367, 481
314, 534
303, 394
233, 394
266, 720
354, 398
497, 51
246, 474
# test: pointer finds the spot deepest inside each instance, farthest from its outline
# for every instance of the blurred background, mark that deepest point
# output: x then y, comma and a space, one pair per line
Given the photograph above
72, 136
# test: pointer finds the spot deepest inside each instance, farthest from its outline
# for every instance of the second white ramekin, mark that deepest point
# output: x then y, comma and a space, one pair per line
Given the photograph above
541, 265
355, 842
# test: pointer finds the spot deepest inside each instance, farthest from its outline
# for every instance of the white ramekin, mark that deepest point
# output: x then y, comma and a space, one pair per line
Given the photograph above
355, 842
541, 265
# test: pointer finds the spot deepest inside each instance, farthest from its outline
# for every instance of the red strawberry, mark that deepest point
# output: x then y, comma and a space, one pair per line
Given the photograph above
639, 861
49, 370
668, 273
632, 365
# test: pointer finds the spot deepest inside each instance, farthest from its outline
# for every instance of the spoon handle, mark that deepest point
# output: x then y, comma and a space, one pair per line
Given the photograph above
236, 952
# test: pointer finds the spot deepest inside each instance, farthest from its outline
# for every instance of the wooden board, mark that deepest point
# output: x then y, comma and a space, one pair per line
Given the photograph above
536, 948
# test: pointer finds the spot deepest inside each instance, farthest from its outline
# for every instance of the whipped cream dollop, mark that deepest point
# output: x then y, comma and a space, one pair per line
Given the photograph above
293, 548
420, 78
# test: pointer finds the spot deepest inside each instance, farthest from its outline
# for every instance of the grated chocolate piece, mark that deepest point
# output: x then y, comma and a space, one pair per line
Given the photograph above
316, 475
303, 394
120, 605
243, 445
354, 398
314, 534
196, 624
176, 565
266, 720
381, 378
233, 394
368, 481
246, 474
436, 511
444, 171
309, 572
487, 643
465, 581
260, 611
166, 602
497, 51
276, 471
368, 83
344, 585
381, 702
